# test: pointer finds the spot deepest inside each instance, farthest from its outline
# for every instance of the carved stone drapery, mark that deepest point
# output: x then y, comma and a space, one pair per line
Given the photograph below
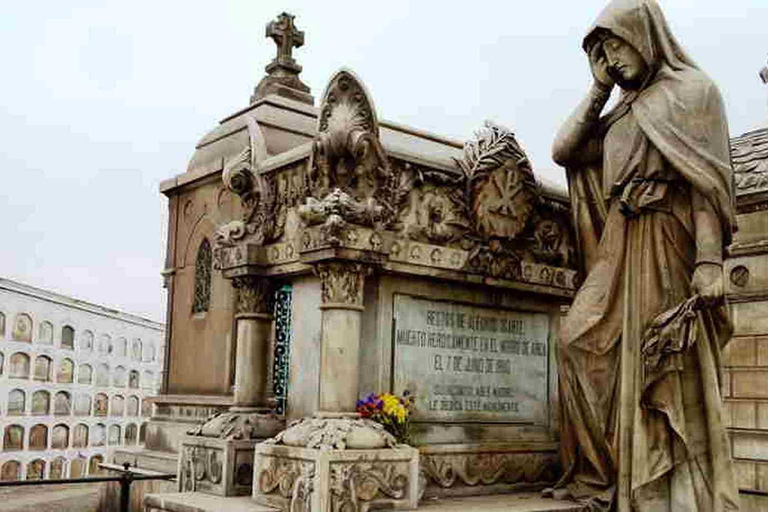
342, 283
253, 294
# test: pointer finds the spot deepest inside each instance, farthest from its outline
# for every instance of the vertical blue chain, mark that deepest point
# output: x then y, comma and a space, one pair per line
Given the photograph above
280, 370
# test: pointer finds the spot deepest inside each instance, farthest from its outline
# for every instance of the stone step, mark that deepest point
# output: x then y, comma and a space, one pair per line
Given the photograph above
520, 502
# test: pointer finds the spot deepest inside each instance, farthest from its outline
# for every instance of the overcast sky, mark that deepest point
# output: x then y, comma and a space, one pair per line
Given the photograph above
100, 101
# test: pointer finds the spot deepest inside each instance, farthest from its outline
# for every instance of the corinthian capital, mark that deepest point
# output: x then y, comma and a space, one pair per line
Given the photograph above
342, 283
253, 294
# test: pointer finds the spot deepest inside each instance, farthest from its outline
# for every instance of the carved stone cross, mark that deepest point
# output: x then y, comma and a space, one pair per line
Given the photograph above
286, 36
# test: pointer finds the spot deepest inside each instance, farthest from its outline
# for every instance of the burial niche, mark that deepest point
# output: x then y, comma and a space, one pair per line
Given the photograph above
38, 437
2, 361
136, 350
68, 337
118, 405
60, 437
41, 403
104, 343
83, 405
36, 469
16, 402
77, 467
131, 433
10, 471
146, 408
45, 333
143, 433
133, 379
13, 438
62, 404
101, 405
121, 347
43, 369
149, 352
203, 266
22, 328
133, 406
113, 438
84, 374
80, 436
66, 373
121, 377
99, 435
19, 366
102, 375
2, 325
56, 471
86, 341
93, 466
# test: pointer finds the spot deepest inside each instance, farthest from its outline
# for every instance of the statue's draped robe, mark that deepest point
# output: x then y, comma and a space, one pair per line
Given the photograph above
665, 149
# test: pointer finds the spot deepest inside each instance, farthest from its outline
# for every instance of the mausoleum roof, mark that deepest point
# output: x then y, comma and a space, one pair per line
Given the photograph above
749, 153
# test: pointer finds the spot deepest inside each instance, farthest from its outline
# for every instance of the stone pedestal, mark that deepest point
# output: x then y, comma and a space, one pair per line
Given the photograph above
302, 479
217, 457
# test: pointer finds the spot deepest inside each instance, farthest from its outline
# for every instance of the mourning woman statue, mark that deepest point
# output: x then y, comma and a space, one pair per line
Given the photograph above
651, 192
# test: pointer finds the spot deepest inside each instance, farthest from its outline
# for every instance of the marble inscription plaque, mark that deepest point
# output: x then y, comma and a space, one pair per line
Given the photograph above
471, 364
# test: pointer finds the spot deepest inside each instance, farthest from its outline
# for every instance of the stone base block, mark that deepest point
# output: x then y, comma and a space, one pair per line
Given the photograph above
454, 470
216, 466
306, 479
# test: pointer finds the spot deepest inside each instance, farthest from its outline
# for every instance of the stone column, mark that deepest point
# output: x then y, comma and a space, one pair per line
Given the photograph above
342, 305
254, 324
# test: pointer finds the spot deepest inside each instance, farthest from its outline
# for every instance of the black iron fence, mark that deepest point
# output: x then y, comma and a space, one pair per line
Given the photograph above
126, 478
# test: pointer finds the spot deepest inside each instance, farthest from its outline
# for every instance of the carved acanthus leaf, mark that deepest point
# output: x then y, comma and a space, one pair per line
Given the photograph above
253, 294
342, 282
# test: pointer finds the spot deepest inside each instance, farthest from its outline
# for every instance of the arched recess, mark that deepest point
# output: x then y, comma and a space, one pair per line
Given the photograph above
43, 369
131, 434
93, 465
133, 406
17, 402
77, 467
68, 337
133, 379
58, 468
19, 366
45, 333
41, 403
10, 471
136, 350
22, 328
38, 437
13, 438
2, 324
86, 341
143, 433
102, 375
201, 299
120, 378
118, 406
113, 437
105, 341
66, 371
60, 437
83, 404
121, 347
36, 469
84, 374
99, 435
80, 436
148, 379
101, 405
62, 404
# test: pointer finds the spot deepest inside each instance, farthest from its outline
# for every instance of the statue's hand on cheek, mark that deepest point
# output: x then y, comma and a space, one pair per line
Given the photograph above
708, 283
599, 65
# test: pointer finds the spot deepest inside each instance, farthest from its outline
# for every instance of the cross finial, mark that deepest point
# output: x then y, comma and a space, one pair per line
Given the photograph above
287, 37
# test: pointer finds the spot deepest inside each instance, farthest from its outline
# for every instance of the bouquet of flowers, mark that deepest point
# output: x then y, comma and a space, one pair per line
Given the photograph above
393, 412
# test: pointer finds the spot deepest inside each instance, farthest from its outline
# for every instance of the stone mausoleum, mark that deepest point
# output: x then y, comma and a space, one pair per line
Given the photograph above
317, 253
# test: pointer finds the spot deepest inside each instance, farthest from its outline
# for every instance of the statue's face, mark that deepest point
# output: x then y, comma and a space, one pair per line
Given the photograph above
625, 64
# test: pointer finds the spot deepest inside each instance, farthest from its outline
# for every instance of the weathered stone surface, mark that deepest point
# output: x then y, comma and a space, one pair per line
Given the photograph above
466, 363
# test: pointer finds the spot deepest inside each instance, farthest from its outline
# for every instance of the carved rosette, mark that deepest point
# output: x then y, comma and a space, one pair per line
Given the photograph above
253, 294
342, 283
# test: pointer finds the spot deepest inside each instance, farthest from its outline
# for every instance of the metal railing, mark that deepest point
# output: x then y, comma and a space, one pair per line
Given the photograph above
126, 478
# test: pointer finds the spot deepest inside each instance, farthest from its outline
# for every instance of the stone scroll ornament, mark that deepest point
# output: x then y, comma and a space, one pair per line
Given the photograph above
263, 219
349, 173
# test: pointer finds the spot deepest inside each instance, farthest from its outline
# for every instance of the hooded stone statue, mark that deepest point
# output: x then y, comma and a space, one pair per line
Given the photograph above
652, 199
